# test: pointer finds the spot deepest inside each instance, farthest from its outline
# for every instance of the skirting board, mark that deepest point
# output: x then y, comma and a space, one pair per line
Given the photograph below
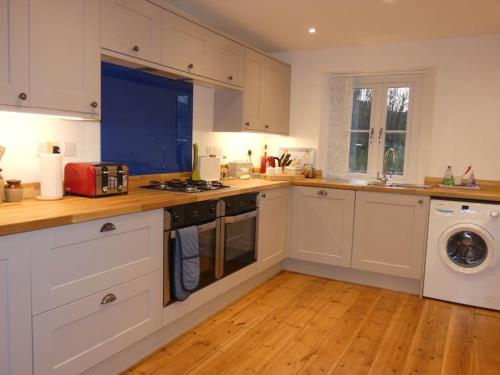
350, 275
133, 354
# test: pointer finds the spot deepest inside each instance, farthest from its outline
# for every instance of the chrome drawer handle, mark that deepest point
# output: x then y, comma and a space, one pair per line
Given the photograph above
322, 193
108, 227
108, 298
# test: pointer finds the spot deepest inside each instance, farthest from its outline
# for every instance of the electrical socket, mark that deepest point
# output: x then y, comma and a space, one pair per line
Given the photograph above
70, 149
42, 147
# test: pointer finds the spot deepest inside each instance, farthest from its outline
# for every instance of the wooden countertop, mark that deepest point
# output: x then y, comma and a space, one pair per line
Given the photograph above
490, 191
31, 214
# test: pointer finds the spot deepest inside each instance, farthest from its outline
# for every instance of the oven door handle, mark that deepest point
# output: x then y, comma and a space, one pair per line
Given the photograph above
201, 228
237, 218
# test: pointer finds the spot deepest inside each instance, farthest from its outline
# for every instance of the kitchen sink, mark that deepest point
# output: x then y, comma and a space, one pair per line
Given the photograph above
406, 185
400, 185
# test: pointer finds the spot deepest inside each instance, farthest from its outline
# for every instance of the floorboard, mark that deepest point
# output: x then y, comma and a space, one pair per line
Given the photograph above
298, 324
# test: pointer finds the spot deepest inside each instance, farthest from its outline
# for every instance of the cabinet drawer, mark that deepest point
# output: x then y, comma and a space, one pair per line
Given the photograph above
86, 258
77, 336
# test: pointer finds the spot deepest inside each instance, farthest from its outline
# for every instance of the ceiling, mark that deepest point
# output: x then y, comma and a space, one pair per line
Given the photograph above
281, 25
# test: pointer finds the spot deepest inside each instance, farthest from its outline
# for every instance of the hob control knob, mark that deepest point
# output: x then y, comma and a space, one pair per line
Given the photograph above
494, 214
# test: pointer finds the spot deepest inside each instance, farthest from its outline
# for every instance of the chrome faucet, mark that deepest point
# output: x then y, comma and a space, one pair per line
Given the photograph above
387, 179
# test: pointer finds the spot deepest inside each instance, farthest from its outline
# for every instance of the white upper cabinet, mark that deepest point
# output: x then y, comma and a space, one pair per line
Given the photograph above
389, 233
276, 97
227, 60
132, 27
253, 102
186, 45
322, 225
65, 55
14, 62
266, 99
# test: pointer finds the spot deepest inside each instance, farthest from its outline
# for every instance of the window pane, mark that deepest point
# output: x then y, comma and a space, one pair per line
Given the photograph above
397, 108
358, 152
397, 142
361, 109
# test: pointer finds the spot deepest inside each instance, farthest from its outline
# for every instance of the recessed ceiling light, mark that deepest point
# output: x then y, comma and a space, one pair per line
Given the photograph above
311, 30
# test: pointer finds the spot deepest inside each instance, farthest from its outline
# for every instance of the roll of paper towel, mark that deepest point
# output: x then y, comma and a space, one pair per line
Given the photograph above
51, 178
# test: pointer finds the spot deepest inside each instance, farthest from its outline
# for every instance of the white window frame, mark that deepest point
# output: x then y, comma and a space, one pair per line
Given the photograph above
380, 83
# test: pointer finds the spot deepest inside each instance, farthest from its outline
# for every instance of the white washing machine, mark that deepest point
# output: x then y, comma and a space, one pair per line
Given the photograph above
463, 247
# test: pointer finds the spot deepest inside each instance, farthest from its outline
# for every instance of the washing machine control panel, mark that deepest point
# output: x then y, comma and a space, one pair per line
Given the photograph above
469, 210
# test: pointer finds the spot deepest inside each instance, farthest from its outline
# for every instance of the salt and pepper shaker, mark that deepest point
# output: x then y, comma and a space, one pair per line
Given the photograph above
13, 191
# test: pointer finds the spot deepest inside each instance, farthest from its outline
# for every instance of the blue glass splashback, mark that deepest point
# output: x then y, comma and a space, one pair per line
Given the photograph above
146, 121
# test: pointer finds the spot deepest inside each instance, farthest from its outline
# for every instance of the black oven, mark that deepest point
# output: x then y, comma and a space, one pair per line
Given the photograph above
204, 216
237, 248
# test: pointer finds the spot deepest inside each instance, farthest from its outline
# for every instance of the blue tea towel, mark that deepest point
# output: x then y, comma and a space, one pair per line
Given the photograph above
186, 262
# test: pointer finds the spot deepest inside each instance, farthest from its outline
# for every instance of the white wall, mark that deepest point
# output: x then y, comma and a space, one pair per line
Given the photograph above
461, 124
462, 120
20, 134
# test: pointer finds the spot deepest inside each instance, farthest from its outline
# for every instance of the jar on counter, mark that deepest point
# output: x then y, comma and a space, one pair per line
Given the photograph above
13, 191
309, 171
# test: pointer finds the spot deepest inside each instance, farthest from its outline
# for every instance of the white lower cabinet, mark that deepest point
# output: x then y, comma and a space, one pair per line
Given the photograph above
96, 289
79, 335
389, 233
322, 225
273, 226
82, 259
15, 304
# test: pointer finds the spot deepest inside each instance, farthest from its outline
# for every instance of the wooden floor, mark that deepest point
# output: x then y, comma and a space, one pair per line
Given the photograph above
297, 324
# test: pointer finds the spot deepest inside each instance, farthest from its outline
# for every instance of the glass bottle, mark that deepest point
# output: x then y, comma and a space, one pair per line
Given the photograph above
263, 160
448, 177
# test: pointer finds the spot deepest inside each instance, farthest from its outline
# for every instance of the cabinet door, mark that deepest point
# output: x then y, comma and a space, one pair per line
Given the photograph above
186, 45
79, 335
15, 305
273, 226
389, 233
226, 60
322, 224
64, 55
253, 111
132, 27
276, 97
14, 64
82, 259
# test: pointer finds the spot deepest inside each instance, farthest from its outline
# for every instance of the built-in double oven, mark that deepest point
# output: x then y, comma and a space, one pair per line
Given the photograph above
227, 238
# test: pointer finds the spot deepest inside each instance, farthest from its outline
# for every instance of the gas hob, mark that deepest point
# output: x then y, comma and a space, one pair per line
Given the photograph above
187, 186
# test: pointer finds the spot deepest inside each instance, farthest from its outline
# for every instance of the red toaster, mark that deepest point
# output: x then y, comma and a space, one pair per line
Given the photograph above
95, 179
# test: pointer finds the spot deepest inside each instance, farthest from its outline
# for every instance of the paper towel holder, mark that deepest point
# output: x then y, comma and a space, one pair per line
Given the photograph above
55, 151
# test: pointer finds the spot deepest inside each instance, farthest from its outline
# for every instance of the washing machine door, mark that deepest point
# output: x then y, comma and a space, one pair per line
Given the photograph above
467, 248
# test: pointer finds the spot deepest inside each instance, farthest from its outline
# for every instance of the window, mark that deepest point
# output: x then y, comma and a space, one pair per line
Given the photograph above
381, 122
